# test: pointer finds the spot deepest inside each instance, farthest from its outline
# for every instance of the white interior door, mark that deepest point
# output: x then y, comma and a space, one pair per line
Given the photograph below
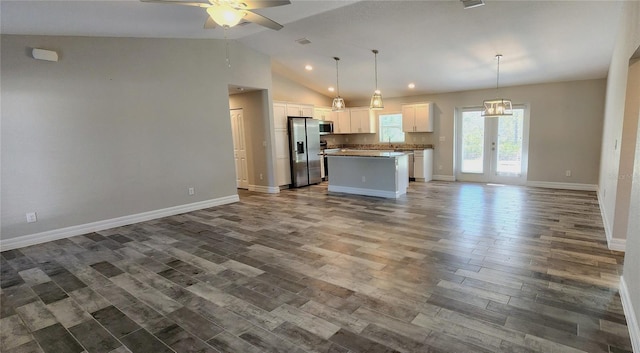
239, 148
492, 150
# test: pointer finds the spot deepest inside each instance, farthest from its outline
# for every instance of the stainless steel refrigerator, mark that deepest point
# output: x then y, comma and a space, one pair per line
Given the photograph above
304, 149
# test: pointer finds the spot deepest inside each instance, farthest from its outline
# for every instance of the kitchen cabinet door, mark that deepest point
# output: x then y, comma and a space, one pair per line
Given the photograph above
408, 118
424, 117
361, 121
320, 113
283, 169
294, 109
423, 165
342, 124
417, 117
324, 114
280, 116
306, 110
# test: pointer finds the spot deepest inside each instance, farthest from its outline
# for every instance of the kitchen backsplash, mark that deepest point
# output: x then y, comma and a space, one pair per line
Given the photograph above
378, 146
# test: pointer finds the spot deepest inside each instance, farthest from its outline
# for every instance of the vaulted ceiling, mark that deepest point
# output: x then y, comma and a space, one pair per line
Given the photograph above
438, 45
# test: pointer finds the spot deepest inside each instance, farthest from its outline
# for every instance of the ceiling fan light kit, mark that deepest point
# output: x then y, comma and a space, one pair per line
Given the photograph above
500, 106
338, 103
376, 98
225, 15
228, 13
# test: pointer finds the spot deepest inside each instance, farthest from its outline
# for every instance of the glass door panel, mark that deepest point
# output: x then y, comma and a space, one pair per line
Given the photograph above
509, 144
472, 159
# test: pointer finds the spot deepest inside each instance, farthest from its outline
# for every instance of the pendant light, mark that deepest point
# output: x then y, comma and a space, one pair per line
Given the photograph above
499, 106
376, 98
338, 103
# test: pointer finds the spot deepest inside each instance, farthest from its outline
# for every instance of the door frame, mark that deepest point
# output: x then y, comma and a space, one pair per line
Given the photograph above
486, 176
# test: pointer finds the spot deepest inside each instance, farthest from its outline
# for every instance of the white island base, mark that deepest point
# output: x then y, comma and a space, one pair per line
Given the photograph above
381, 174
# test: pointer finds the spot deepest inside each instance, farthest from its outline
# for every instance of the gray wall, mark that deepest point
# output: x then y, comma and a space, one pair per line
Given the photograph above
286, 90
565, 126
627, 42
118, 126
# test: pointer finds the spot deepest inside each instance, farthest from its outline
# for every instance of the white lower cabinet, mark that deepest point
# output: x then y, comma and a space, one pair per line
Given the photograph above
423, 165
283, 168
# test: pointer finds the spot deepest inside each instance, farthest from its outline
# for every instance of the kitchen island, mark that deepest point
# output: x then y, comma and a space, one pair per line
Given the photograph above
369, 172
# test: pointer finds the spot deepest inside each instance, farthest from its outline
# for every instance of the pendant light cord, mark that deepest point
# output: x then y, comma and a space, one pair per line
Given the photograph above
498, 76
375, 53
337, 79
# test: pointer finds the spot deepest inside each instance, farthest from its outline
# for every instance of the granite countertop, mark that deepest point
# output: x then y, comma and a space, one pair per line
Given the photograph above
367, 153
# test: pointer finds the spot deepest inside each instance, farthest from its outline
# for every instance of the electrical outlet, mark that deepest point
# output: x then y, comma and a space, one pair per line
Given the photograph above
442, 138
364, 180
32, 217
261, 176
567, 173
192, 191
347, 139
439, 166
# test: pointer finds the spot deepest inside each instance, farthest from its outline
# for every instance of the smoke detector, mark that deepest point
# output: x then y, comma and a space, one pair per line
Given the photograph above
303, 41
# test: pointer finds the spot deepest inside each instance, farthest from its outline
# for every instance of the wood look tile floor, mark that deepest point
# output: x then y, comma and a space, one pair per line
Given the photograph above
451, 267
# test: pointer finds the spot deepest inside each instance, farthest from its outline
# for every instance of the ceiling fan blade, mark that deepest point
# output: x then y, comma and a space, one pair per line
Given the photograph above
262, 21
177, 2
261, 4
210, 23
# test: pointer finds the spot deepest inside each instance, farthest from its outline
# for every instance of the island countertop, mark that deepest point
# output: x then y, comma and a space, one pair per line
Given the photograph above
367, 153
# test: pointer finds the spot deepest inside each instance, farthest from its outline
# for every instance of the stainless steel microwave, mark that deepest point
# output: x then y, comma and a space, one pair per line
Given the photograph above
326, 127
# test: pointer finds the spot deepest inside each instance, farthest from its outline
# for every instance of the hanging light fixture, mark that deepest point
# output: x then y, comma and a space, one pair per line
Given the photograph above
376, 98
338, 103
225, 15
499, 106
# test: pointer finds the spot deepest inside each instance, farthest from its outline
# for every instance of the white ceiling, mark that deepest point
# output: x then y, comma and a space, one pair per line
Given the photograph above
438, 45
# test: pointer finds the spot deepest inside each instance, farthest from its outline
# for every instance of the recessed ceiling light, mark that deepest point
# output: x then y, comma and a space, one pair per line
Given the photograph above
308, 67
331, 89
412, 85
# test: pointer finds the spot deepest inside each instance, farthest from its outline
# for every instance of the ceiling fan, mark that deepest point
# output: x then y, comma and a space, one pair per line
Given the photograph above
228, 13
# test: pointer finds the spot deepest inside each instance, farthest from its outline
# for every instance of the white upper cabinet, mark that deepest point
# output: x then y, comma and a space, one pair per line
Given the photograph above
342, 123
417, 117
299, 109
280, 115
362, 121
321, 113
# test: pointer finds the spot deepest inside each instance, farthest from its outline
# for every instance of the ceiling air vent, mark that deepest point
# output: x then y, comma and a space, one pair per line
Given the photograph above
303, 41
469, 4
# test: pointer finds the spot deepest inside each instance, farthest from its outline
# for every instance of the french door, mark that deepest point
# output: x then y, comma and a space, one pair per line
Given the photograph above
492, 150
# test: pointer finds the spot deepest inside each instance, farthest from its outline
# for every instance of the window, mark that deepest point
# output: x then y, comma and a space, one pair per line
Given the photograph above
391, 128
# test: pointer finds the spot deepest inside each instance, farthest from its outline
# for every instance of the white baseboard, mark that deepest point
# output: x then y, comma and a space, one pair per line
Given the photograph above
616, 244
366, 192
265, 189
630, 314
444, 178
612, 243
50, 235
565, 186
